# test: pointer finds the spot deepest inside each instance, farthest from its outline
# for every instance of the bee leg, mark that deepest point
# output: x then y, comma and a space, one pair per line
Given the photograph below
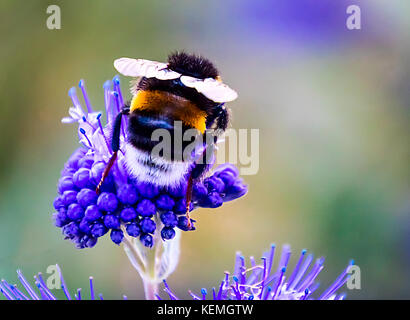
106, 171
200, 168
188, 200
115, 145
219, 118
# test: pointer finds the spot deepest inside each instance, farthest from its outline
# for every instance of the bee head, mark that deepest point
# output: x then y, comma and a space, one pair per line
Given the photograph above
192, 65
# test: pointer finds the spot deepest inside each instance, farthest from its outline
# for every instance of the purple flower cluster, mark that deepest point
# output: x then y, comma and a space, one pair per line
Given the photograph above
134, 207
124, 205
12, 292
259, 281
264, 282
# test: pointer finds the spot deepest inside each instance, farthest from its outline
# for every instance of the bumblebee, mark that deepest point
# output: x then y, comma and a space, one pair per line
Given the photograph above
187, 90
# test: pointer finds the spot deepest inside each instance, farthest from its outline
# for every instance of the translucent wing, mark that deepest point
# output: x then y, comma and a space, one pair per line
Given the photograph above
166, 74
144, 68
210, 88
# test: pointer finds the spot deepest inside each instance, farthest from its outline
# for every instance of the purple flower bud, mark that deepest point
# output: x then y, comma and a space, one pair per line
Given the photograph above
58, 203
227, 167
69, 197
75, 157
86, 197
80, 241
85, 226
98, 230
169, 219
147, 240
147, 225
165, 202
91, 242
70, 230
60, 218
75, 212
214, 184
180, 207
213, 200
146, 208
199, 191
167, 233
86, 162
81, 178
92, 213
111, 221
116, 236
107, 202
133, 229
64, 184
127, 194
236, 190
96, 171
69, 172
147, 190
227, 177
183, 223
179, 191
128, 214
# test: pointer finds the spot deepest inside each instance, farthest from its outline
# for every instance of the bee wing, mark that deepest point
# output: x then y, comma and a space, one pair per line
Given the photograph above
211, 88
144, 68
166, 74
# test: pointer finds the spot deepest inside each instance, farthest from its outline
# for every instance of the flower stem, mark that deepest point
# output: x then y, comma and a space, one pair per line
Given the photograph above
153, 264
150, 289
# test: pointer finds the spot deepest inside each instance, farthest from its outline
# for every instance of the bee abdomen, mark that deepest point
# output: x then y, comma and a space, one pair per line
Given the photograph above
141, 166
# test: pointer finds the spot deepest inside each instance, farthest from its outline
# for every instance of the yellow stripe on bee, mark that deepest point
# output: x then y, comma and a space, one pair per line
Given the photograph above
171, 105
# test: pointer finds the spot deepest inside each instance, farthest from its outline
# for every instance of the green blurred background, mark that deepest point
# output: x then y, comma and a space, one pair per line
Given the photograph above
332, 106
